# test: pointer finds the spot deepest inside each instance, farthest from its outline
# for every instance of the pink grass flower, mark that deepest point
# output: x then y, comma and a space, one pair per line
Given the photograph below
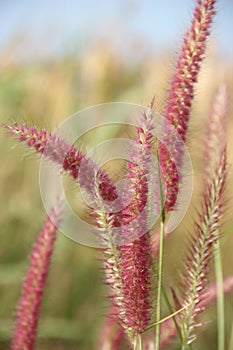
58, 151
128, 266
135, 257
70, 159
181, 95
135, 266
33, 288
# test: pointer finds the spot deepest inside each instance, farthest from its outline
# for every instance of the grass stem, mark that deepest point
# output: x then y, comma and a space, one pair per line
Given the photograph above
161, 252
220, 297
171, 312
137, 344
230, 346
159, 292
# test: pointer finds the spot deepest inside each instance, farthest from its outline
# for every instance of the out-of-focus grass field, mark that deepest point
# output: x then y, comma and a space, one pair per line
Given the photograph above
46, 94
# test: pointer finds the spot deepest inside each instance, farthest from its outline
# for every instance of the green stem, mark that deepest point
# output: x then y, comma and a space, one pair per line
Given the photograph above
159, 294
230, 346
220, 297
164, 319
171, 311
140, 345
184, 347
137, 344
161, 252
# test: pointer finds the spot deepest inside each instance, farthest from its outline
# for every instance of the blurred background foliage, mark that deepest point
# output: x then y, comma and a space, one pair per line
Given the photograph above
46, 92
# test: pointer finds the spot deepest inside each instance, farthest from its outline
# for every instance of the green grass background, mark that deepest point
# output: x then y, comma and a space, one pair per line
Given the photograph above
46, 93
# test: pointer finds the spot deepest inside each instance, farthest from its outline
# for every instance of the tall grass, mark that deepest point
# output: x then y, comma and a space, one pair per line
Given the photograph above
130, 269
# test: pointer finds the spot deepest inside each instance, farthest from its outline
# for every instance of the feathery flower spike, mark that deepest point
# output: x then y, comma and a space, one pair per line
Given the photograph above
214, 144
70, 159
181, 95
128, 264
194, 280
135, 256
216, 130
209, 297
33, 288
58, 151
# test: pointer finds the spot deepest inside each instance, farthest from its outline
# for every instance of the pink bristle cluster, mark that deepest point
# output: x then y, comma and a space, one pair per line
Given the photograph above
188, 66
128, 266
58, 151
181, 95
34, 285
135, 266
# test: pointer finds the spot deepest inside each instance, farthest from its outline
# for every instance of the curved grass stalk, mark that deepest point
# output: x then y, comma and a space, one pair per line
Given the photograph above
166, 318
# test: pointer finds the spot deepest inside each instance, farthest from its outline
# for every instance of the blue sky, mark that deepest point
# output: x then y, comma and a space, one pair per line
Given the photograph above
42, 28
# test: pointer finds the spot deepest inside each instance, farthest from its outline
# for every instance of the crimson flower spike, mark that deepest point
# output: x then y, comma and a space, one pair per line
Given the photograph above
58, 151
127, 258
135, 256
69, 158
181, 95
33, 288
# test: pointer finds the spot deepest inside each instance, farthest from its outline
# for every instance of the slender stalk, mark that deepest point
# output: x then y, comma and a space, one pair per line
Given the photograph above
159, 293
230, 346
161, 252
184, 347
135, 343
138, 345
171, 312
166, 318
220, 297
